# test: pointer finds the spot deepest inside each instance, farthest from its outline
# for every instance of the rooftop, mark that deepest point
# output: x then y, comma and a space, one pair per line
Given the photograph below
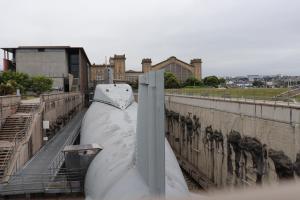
13, 49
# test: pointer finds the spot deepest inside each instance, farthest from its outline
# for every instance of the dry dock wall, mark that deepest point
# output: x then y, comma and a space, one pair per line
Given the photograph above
229, 143
61, 107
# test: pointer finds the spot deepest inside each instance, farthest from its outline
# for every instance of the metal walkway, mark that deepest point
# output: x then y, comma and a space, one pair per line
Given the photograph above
36, 176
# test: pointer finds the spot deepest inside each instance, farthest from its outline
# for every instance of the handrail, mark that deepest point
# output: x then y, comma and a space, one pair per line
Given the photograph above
45, 182
54, 96
60, 157
16, 141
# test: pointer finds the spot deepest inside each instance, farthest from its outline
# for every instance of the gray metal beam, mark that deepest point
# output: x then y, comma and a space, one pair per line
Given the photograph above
150, 131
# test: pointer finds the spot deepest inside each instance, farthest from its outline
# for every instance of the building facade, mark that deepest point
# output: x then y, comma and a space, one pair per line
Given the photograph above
180, 69
68, 67
116, 64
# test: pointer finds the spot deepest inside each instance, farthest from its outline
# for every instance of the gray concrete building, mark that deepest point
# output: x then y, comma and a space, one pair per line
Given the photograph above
67, 66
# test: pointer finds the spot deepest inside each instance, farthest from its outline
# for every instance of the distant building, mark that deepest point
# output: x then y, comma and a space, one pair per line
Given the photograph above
132, 75
182, 70
67, 66
116, 63
97, 72
252, 78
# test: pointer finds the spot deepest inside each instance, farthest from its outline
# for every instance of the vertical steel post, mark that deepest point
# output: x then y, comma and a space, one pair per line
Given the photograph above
151, 131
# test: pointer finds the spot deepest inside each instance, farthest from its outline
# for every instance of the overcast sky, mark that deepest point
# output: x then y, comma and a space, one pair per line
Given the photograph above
233, 37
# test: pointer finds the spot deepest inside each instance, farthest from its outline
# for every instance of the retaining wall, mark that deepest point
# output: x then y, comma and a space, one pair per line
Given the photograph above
228, 143
61, 107
8, 106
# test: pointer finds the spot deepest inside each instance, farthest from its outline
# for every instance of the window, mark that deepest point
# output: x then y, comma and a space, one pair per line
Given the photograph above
74, 65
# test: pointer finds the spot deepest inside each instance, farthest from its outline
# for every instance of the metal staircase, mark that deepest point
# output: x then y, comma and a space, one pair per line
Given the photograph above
44, 173
5, 155
12, 132
27, 108
14, 127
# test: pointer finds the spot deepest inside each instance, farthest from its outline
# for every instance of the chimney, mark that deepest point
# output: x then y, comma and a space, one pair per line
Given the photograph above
146, 65
197, 64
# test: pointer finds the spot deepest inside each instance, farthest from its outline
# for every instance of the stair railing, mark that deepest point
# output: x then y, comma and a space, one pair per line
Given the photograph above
13, 149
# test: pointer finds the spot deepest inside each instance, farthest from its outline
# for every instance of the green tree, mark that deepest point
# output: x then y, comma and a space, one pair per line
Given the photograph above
41, 84
6, 89
222, 81
258, 83
171, 80
16, 80
192, 81
211, 81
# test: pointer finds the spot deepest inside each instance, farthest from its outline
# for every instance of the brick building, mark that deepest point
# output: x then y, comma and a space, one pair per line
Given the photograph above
181, 69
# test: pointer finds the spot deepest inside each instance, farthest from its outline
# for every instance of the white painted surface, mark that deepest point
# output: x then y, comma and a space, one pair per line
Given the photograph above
118, 95
46, 125
113, 173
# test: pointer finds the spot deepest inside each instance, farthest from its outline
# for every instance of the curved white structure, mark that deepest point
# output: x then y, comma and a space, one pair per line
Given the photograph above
111, 122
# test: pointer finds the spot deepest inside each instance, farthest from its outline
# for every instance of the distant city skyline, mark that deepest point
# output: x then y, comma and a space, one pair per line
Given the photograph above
233, 38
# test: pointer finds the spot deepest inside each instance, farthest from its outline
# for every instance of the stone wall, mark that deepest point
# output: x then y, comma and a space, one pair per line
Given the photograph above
59, 108
8, 106
229, 143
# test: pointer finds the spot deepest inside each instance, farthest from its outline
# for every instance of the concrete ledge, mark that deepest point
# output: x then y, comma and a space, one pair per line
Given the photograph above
270, 111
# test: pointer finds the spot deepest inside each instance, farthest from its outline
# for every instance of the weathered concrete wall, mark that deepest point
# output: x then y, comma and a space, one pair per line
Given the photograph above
61, 107
229, 143
36, 139
50, 62
8, 106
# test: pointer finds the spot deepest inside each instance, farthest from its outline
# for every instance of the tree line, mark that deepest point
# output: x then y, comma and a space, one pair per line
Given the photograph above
172, 82
209, 81
10, 81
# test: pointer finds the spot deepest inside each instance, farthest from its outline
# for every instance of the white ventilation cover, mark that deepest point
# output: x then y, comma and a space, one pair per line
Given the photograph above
118, 95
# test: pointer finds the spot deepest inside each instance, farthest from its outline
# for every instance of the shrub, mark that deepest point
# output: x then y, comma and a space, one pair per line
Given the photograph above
211, 81
17, 80
192, 81
6, 89
171, 80
41, 84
